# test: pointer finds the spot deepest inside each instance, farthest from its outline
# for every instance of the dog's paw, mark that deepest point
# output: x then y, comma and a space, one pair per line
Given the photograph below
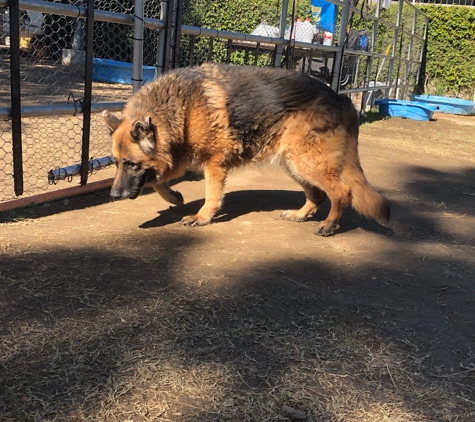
325, 229
292, 215
176, 198
194, 220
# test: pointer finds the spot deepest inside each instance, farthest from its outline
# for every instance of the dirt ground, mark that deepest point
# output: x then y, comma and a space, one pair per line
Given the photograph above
111, 311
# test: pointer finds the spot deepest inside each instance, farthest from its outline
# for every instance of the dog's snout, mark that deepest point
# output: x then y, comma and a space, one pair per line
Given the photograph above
116, 193
123, 193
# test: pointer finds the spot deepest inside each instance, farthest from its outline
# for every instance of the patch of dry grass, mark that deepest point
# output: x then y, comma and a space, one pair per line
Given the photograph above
447, 136
160, 355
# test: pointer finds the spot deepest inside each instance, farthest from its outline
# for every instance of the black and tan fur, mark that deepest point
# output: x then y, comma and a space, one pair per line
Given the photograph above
213, 118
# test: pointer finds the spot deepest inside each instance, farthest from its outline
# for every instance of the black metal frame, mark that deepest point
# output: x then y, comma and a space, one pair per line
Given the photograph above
16, 96
86, 125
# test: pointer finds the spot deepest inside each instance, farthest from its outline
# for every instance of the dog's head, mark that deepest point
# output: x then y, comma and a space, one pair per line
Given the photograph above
133, 149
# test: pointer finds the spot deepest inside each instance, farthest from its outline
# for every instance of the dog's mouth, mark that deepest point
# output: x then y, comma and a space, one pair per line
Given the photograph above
147, 177
134, 194
135, 190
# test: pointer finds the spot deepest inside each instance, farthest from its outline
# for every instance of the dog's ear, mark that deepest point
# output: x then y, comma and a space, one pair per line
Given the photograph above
143, 133
111, 120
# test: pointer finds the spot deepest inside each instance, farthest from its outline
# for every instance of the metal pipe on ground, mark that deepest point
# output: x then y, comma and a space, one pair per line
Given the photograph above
59, 109
57, 195
68, 172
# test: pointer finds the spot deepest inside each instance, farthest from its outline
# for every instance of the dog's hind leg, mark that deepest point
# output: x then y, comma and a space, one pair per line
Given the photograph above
168, 194
318, 180
339, 194
315, 198
215, 178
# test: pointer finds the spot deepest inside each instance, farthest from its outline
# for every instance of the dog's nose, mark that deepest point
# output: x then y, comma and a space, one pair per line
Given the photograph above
115, 193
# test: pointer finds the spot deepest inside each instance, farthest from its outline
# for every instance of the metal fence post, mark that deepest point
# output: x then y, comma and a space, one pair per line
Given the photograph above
368, 95
86, 122
177, 20
163, 60
137, 74
395, 49
344, 19
78, 29
421, 54
162, 39
409, 54
15, 92
283, 22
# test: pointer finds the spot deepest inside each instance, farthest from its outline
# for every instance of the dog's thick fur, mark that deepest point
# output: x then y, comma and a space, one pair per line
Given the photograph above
213, 118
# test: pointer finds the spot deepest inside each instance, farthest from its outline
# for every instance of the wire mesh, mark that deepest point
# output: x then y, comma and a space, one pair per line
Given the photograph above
6, 161
6, 154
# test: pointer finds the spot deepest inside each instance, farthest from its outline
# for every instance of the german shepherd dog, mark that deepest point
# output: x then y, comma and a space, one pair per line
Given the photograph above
212, 118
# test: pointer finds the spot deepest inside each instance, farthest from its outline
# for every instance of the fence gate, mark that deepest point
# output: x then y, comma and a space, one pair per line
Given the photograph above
63, 62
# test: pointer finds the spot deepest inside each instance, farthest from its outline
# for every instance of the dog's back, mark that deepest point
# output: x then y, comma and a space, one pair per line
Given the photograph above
261, 97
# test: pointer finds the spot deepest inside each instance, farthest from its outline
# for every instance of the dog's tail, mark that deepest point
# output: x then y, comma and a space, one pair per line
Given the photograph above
364, 199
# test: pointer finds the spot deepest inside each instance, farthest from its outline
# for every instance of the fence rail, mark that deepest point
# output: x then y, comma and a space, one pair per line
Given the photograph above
55, 73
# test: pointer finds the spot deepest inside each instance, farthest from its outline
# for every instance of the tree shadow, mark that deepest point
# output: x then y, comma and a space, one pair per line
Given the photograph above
456, 190
97, 326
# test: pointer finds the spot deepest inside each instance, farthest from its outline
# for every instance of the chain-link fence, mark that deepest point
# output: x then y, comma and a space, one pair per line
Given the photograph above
353, 50
49, 75
52, 73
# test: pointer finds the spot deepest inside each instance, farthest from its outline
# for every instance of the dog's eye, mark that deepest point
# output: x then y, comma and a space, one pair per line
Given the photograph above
130, 165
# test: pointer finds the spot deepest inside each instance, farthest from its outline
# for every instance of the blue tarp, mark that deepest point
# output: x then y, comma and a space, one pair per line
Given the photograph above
324, 15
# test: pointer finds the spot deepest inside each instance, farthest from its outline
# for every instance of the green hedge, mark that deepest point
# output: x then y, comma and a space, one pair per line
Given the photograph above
239, 15
236, 16
450, 54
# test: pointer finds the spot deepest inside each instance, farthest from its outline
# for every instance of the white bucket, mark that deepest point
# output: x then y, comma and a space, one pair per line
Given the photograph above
327, 38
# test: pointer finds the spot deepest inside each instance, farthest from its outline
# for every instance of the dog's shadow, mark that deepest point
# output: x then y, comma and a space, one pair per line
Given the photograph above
240, 203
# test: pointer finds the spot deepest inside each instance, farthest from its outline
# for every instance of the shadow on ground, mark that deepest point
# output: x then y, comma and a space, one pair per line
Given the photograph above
233, 321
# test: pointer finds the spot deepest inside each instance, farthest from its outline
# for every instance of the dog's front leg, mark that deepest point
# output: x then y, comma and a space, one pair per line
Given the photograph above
168, 194
215, 178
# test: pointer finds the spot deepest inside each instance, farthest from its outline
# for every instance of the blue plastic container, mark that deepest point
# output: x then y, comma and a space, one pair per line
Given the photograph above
113, 71
447, 104
406, 109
